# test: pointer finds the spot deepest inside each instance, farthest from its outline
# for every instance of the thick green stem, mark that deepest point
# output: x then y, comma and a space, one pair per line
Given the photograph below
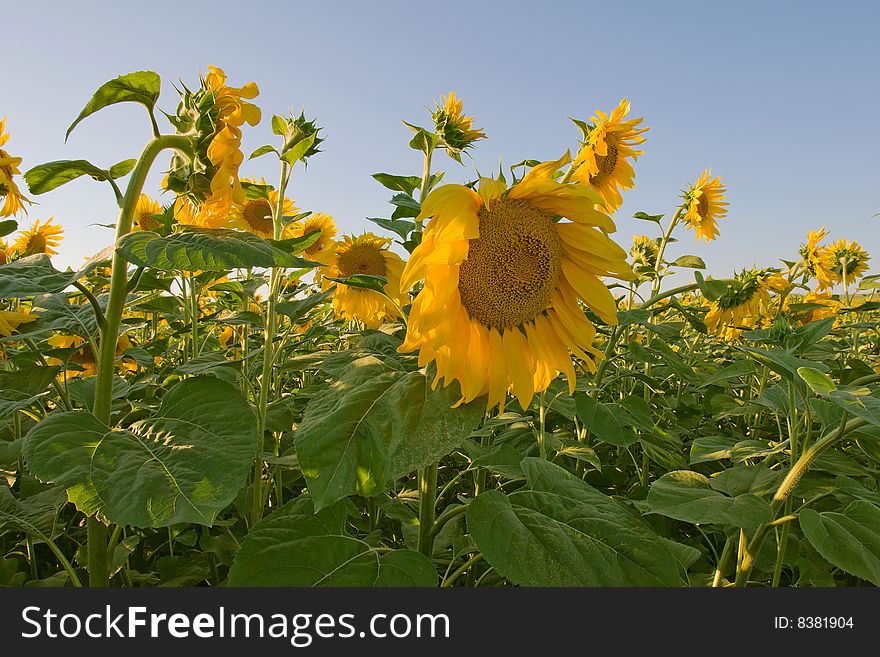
722, 562
275, 275
426, 179
427, 497
97, 531
785, 488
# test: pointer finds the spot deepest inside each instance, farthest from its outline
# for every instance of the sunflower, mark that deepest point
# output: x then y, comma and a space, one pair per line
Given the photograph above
4, 252
743, 305
253, 213
145, 214
603, 162
38, 239
324, 245
644, 251
830, 306
812, 256
365, 254
456, 130
846, 261
186, 213
84, 357
11, 320
500, 305
704, 205
13, 201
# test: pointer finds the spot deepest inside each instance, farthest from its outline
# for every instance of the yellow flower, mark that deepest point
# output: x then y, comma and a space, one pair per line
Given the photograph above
84, 357
365, 254
603, 162
812, 255
500, 308
13, 201
743, 305
455, 130
38, 239
846, 261
322, 248
144, 212
704, 205
644, 250
4, 252
227, 334
253, 213
10, 321
830, 305
185, 212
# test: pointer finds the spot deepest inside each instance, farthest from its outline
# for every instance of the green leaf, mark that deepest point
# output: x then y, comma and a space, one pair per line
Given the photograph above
735, 370
54, 312
782, 362
31, 380
294, 546
296, 152
685, 495
121, 169
35, 515
424, 141
206, 249
375, 424
183, 465
49, 175
608, 422
300, 307
32, 275
405, 184
363, 281
656, 218
399, 226
849, 540
8, 226
139, 87
711, 289
691, 261
262, 150
819, 382
559, 531
15, 400
711, 448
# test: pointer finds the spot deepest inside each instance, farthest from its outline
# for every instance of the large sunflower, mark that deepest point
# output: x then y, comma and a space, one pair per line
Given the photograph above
84, 357
846, 261
603, 162
145, 214
253, 213
704, 205
503, 280
38, 239
365, 254
13, 200
812, 255
321, 248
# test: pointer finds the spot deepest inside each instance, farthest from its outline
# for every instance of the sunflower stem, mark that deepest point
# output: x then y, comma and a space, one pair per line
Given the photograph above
97, 531
275, 275
423, 190
427, 498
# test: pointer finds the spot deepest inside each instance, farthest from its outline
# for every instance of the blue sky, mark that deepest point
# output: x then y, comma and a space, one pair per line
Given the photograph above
779, 98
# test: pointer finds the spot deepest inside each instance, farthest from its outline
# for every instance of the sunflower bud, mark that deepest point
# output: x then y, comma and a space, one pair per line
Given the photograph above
455, 130
300, 137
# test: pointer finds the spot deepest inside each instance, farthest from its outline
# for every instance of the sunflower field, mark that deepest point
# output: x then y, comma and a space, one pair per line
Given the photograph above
485, 388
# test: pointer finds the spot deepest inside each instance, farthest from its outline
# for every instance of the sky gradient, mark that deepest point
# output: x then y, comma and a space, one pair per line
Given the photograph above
778, 98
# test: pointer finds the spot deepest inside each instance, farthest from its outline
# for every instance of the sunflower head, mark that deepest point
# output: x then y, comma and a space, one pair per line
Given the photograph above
743, 304
4, 251
12, 198
846, 261
365, 254
254, 212
812, 257
704, 205
828, 306
504, 280
607, 152
455, 129
212, 117
321, 248
11, 320
39, 238
644, 251
146, 213
83, 357
295, 130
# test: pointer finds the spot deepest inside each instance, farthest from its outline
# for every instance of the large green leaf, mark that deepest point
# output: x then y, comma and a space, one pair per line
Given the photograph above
139, 87
54, 312
35, 515
47, 176
687, 496
185, 464
31, 276
559, 531
610, 423
295, 546
376, 424
848, 540
205, 249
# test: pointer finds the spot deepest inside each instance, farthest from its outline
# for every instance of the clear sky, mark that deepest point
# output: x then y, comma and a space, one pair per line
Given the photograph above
779, 98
